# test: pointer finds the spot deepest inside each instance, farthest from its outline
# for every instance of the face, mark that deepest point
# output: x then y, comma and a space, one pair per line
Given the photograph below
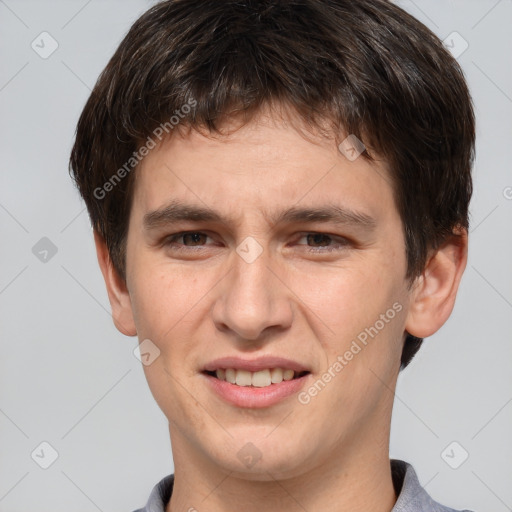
265, 254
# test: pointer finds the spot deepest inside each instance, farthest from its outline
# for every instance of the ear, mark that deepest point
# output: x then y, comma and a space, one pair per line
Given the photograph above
434, 292
118, 295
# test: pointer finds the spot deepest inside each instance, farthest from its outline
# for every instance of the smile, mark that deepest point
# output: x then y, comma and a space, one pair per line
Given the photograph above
258, 379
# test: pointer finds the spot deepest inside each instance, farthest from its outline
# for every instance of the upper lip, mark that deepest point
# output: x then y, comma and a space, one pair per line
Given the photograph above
254, 365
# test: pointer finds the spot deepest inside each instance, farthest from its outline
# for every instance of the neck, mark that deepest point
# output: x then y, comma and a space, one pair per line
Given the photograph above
356, 479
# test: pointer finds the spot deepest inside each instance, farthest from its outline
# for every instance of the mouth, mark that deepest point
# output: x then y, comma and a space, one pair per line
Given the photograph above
262, 388
258, 379
255, 383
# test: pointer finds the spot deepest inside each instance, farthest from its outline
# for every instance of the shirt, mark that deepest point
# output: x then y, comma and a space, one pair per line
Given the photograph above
412, 497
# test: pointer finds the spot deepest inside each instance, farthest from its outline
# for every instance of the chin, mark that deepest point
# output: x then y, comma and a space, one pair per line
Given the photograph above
261, 460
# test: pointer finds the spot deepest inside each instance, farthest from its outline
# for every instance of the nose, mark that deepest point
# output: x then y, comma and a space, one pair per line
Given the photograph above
253, 301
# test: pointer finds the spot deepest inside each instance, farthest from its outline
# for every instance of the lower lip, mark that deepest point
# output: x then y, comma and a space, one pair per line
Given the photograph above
249, 396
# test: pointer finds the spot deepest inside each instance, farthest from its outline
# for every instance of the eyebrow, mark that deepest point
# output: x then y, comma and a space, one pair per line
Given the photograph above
177, 211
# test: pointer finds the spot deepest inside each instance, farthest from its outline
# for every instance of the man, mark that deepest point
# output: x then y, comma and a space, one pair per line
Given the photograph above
279, 195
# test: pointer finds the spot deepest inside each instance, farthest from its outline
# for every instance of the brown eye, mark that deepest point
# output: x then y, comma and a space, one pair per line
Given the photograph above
186, 239
319, 238
323, 243
195, 237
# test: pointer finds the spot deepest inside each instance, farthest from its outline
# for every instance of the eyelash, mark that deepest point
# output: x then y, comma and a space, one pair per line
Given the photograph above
343, 242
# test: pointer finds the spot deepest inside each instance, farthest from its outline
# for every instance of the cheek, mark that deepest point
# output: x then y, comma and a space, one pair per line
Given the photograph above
163, 297
345, 299
359, 314
166, 303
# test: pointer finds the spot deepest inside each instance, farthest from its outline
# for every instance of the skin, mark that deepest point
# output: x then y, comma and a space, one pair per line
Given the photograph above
205, 301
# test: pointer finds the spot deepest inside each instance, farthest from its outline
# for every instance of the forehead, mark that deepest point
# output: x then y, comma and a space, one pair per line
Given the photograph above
269, 161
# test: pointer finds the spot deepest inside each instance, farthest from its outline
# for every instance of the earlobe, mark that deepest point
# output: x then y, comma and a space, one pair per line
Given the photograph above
118, 294
433, 294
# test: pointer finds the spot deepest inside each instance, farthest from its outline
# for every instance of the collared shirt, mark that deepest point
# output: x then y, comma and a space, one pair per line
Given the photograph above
412, 497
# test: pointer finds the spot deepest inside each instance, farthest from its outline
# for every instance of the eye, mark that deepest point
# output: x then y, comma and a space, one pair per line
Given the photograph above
322, 242
315, 242
195, 238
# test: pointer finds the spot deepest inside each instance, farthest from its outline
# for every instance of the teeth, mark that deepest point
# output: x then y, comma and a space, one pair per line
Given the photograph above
260, 379
276, 375
243, 378
288, 374
230, 376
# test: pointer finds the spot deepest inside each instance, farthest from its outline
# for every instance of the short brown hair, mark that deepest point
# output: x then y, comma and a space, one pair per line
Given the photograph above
365, 66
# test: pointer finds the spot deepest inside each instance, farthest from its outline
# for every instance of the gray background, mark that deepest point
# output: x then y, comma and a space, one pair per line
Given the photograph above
68, 378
